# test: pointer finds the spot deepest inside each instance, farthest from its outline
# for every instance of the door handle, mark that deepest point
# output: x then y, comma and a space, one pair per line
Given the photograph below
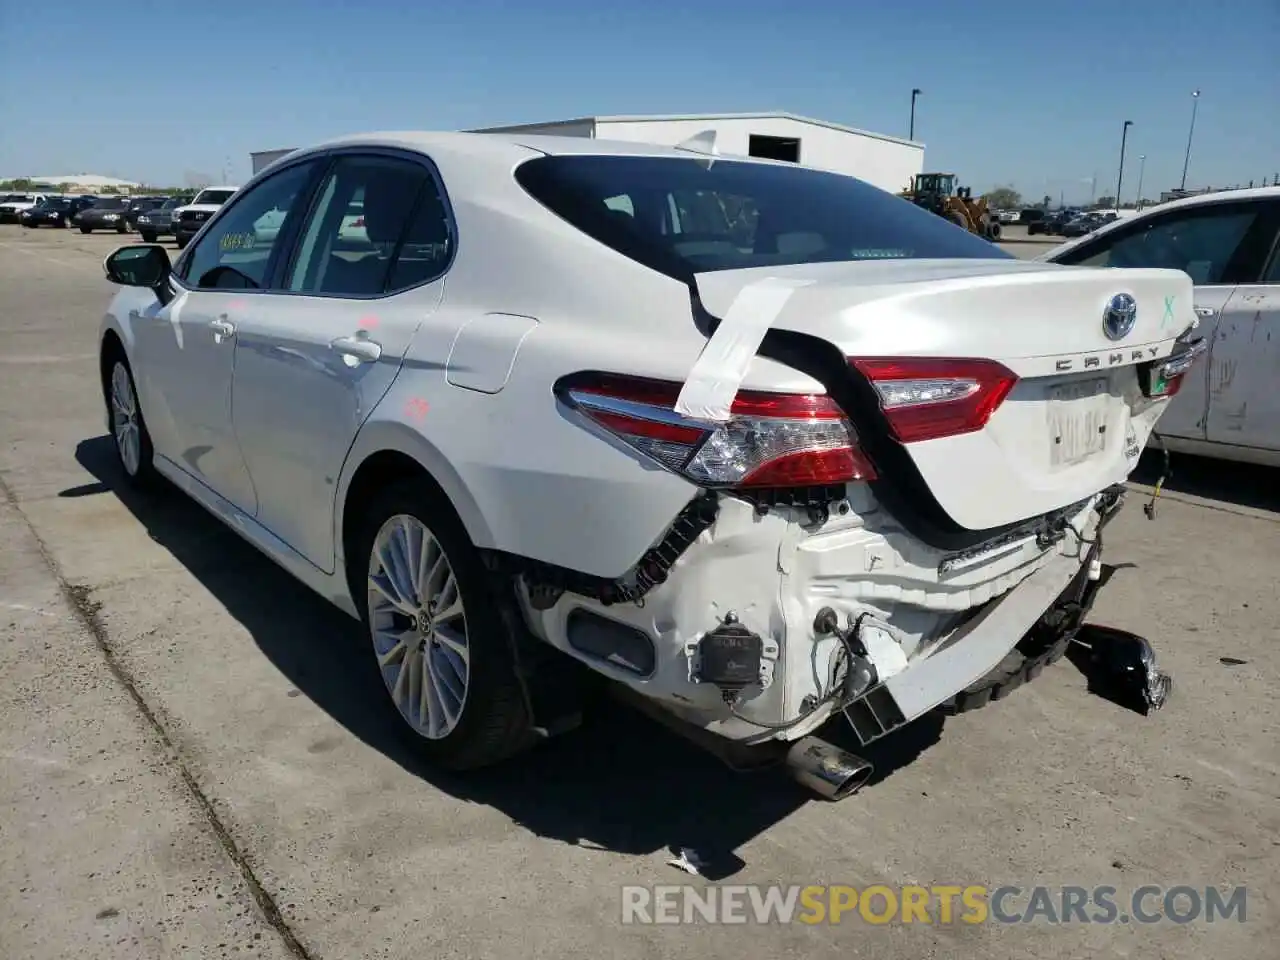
222, 329
1205, 312
357, 349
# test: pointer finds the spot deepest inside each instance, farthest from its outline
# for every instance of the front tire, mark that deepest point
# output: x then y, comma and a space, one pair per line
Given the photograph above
181, 241
86, 229
440, 640
148, 237
129, 433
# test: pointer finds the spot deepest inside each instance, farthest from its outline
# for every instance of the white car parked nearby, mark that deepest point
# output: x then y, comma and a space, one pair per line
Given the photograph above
1229, 244
760, 443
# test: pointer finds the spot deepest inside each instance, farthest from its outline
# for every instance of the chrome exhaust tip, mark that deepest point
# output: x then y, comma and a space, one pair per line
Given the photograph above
827, 770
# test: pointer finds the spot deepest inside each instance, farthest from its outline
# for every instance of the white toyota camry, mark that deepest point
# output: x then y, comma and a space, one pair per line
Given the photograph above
761, 443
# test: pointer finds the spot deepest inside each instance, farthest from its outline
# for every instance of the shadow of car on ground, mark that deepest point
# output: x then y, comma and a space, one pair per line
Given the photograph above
608, 784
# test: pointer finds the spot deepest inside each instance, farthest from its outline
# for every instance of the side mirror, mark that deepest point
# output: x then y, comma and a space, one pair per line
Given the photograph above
141, 265
138, 265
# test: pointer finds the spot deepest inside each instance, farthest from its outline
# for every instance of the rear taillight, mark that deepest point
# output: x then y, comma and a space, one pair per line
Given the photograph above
769, 440
925, 398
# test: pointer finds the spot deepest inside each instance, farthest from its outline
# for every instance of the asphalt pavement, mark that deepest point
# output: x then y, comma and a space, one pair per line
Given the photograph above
194, 762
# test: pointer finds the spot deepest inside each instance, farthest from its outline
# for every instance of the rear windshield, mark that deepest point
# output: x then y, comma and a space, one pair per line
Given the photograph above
680, 216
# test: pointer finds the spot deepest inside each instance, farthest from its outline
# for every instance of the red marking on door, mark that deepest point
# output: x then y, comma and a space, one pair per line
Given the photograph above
416, 408
368, 323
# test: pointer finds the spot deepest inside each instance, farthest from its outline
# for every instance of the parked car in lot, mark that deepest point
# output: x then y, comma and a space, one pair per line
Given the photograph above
562, 408
78, 204
1229, 244
11, 209
1054, 223
107, 213
1031, 215
51, 212
188, 219
1085, 223
158, 221
139, 206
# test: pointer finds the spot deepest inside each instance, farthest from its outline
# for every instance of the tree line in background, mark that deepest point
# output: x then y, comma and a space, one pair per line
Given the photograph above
26, 185
1007, 198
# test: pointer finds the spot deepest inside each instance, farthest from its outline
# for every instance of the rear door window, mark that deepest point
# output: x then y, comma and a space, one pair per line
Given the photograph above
1204, 242
379, 226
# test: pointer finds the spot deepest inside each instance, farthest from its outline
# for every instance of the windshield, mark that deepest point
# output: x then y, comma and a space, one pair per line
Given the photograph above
56, 203
109, 203
173, 203
680, 216
214, 196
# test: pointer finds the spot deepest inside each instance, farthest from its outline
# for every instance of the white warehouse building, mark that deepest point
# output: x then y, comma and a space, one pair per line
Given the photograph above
881, 160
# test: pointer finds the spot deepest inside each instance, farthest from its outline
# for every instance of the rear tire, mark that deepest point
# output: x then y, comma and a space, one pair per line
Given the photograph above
148, 237
86, 229
182, 242
959, 220
442, 644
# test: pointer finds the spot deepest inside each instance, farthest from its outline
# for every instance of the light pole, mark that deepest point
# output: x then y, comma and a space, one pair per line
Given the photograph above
1142, 166
1195, 102
911, 135
1120, 177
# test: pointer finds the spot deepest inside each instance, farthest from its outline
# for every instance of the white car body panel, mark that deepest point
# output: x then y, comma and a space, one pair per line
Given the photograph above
948, 309
260, 416
1228, 407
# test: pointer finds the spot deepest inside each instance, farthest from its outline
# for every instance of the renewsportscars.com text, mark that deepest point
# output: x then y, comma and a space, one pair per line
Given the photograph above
941, 904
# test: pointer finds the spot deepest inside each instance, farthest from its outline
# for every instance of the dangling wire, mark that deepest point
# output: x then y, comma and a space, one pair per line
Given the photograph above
1166, 471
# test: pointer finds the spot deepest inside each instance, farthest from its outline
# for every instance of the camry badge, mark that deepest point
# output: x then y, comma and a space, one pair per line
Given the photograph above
1120, 315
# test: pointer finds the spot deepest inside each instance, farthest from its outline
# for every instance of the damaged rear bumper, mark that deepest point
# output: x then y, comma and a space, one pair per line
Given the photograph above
733, 641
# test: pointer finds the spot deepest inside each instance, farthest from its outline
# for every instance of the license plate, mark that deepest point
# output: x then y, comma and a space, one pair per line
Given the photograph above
1077, 421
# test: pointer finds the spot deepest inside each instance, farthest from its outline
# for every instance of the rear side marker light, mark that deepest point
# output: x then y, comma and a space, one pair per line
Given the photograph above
926, 398
770, 439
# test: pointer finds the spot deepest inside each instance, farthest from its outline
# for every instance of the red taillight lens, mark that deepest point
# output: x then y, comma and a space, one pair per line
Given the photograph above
925, 398
770, 439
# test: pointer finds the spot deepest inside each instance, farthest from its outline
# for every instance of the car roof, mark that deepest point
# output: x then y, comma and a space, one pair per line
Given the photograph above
507, 146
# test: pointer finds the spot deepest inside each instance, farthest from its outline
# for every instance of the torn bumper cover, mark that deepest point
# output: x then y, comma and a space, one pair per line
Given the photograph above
747, 639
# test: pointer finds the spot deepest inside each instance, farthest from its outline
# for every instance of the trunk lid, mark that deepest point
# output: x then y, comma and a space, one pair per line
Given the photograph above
1076, 418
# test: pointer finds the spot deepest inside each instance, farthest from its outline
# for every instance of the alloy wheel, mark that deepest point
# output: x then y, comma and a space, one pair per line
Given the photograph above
124, 419
419, 626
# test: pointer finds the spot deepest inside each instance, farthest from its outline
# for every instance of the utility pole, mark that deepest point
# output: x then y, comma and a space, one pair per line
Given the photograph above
1195, 102
1142, 166
911, 134
1124, 136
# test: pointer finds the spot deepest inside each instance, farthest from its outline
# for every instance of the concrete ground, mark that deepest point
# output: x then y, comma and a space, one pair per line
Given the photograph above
195, 762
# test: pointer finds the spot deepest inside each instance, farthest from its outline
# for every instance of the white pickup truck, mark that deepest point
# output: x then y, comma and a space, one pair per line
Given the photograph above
13, 204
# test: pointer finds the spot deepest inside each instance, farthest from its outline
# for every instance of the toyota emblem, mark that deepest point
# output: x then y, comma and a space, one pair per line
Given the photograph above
1119, 316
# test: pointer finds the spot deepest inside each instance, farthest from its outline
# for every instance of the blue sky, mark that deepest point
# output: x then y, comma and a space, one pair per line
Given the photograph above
1024, 92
